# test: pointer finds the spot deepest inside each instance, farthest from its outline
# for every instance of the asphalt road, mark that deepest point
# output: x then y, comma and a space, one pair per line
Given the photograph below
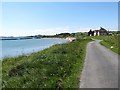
100, 68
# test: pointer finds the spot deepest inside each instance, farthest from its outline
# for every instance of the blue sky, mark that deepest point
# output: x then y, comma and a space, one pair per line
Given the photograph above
31, 18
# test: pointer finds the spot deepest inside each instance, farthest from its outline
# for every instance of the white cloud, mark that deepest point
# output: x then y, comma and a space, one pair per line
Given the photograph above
66, 29
79, 29
52, 31
47, 31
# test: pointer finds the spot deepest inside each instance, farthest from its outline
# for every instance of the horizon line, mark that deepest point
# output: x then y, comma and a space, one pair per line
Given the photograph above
50, 34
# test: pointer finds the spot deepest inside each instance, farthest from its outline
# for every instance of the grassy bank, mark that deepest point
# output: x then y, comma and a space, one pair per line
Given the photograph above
111, 42
56, 67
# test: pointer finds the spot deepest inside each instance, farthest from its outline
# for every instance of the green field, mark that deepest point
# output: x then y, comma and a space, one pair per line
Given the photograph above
56, 67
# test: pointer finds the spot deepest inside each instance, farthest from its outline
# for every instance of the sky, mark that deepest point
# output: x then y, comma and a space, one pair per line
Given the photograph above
49, 18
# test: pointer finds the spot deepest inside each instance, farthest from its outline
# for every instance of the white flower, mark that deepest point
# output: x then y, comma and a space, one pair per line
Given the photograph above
111, 47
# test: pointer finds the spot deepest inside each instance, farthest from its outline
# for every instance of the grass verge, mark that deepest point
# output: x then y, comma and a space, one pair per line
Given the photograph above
56, 67
110, 42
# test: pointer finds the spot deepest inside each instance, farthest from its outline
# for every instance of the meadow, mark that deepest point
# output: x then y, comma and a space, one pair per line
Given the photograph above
56, 67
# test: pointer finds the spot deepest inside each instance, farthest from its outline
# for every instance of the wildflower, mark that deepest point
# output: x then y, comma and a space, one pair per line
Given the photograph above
45, 85
111, 47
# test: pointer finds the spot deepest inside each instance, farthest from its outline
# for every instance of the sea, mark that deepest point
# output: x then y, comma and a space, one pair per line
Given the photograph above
12, 48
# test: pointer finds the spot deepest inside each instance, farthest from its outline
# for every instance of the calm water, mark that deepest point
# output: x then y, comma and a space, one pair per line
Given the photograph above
12, 48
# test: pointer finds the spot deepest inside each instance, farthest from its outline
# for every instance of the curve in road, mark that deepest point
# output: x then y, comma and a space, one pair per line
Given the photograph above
100, 67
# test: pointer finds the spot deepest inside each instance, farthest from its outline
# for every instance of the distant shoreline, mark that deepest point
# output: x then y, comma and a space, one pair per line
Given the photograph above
17, 38
30, 38
33, 49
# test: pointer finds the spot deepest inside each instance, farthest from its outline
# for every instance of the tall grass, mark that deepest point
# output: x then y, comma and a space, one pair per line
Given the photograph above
56, 67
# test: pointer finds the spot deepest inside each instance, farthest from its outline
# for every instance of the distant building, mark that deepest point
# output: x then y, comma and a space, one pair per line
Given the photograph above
100, 32
91, 33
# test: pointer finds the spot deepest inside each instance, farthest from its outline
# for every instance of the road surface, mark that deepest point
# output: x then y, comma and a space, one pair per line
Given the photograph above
100, 68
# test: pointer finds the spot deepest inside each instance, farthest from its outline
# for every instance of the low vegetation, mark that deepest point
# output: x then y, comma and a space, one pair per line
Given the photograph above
56, 67
61, 35
111, 42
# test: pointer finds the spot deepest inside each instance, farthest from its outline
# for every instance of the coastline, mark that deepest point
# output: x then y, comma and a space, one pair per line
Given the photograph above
60, 62
70, 39
29, 53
